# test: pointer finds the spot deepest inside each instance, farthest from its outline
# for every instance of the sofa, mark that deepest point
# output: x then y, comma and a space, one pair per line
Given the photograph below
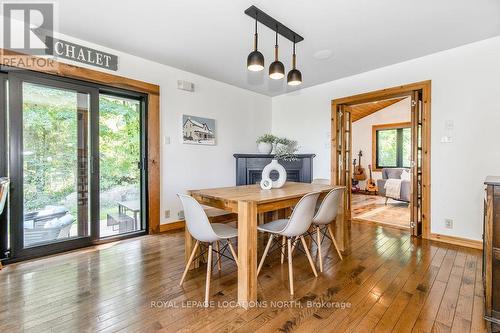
395, 173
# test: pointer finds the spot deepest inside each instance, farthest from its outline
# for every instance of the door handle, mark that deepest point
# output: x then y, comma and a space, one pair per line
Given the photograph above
93, 165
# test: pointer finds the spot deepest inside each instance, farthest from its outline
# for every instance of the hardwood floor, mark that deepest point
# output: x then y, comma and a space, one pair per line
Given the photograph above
371, 208
388, 281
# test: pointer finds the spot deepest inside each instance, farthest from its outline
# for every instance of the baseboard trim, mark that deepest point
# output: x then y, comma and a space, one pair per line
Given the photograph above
472, 243
172, 226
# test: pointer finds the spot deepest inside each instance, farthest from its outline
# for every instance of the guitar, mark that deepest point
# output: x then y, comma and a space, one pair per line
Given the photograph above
370, 184
354, 183
359, 171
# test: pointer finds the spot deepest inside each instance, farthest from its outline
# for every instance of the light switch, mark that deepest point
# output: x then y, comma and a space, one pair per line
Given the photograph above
446, 139
449, 125
166, 140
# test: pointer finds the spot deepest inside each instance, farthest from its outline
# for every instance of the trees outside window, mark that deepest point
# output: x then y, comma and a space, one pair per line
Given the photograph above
392, 146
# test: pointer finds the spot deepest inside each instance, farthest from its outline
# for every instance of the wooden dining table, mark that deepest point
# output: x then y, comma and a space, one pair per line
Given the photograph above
251, 202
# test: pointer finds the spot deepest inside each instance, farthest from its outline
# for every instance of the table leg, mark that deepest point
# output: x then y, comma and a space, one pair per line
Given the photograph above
340, 225
261, 219
247, 253
189, 243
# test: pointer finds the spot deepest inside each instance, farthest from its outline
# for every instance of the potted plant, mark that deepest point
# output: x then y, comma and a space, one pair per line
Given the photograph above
265, 143
285, 149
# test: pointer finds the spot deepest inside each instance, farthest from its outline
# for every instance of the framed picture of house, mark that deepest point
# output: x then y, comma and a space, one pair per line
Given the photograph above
198, 130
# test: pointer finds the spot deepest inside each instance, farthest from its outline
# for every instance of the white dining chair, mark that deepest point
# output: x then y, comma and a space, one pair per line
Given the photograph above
292, 230
203, 231
322, 221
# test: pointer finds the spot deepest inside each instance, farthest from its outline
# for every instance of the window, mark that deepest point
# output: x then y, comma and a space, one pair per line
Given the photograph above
392, 146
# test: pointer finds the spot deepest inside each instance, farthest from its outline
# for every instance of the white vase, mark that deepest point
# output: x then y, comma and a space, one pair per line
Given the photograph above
274, 166
265, 147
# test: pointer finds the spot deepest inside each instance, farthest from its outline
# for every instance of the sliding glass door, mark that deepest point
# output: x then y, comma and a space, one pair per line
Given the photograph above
50, 168
120, 165
75, 155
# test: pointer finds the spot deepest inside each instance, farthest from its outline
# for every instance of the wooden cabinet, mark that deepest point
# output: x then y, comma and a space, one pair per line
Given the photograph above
491, 249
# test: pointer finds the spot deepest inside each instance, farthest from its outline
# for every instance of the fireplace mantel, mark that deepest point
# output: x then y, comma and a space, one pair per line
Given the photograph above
249, 168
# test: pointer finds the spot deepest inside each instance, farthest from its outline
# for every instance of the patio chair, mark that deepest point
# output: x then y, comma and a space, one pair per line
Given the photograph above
57, 228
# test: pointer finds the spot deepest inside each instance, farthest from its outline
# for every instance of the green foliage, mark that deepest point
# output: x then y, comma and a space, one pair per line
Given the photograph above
286, 150
284, 141
119, 142
266, 138
406, 147
50, 144
388, 149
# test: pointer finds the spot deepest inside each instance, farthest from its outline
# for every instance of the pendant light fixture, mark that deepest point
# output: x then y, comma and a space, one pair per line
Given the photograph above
276, 69
255, 60
294, 77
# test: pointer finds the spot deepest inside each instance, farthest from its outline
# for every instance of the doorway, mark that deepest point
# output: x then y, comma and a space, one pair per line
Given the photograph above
75, 155
342, 155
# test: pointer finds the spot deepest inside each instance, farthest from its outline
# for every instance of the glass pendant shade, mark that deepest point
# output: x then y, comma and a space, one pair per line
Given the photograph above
255, 61
277, 70
294, 77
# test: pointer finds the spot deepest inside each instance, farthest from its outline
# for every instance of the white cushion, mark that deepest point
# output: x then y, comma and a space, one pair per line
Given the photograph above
60, 222
405, 175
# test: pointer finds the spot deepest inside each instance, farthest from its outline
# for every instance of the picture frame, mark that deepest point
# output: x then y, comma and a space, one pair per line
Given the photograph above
198, 130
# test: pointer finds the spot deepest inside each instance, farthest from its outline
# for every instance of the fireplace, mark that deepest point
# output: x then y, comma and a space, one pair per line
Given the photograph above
249, 168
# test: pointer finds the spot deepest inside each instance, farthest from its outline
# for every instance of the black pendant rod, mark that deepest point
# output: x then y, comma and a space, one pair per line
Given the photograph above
273, 24
276, 46
256, 37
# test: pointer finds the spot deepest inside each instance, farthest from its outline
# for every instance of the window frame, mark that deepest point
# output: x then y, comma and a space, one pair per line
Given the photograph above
375, 129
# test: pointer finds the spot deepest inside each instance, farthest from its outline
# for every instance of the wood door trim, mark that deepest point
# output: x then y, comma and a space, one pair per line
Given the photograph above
398, 91
27, 62
375, 128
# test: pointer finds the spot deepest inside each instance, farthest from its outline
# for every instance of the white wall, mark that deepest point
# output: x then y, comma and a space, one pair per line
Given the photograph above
465, 90
241, 116
399, 112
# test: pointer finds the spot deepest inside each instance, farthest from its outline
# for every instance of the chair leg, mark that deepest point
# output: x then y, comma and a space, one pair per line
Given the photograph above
209, 272
386, 199
308, 254
219, 263
333, 241
191, 257
318, 243
290, 268
283, 242
294, 244
264, 255
233, 252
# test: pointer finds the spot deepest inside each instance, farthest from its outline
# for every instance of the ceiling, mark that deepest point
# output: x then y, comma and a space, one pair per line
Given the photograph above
359, 111
213, 38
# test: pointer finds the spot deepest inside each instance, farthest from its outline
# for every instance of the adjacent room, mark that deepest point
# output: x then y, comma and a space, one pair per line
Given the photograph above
382, 154
249, 166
